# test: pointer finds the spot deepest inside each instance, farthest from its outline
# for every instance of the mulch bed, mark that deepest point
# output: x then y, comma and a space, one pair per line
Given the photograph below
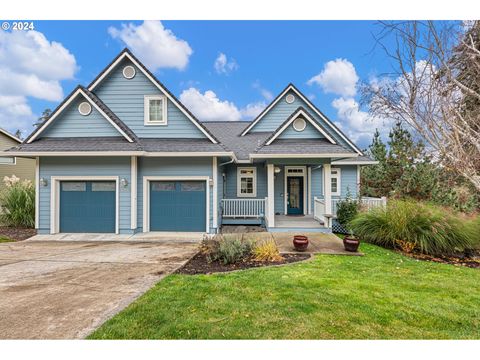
17, 234
461, 260
199, 264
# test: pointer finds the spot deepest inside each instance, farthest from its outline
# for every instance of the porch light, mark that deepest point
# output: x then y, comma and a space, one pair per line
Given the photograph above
277, 170
43, 182
124, 182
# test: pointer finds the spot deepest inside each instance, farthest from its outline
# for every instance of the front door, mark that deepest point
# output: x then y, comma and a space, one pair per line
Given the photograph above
295, 195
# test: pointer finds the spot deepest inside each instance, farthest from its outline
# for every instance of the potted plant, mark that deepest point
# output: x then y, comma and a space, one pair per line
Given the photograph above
300, 242
351, 242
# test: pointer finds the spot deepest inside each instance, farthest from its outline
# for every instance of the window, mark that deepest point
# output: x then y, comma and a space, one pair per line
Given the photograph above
335, 181
103, 186
192, 186
163, 186
8, 160
155, 110
74, 186
247, 182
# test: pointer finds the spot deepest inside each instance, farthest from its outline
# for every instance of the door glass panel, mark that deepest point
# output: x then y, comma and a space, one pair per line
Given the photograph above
103, 186
163, 186
74, 186
192, 186
294, 193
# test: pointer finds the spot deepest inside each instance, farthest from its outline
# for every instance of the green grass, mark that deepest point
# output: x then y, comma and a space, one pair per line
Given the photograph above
4, 239
382, 295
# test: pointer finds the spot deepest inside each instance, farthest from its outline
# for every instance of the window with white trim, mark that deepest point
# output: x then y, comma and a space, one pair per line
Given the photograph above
335, 181
155, 110
247, 182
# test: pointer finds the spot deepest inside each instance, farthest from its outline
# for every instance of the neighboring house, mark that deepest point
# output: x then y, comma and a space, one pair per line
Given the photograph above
10, 165
123, 155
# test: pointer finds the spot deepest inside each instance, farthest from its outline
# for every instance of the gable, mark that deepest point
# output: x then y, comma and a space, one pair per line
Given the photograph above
279, 110
308, 133
70, 123
125, 97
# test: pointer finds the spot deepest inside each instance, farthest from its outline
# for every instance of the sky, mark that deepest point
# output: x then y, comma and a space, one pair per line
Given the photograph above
221, 70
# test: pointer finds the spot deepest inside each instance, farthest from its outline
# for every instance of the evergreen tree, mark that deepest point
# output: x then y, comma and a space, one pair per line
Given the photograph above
45, 115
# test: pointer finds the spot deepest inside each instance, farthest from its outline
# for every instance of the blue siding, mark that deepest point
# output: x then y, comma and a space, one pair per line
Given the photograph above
231, 180
126, 99
84, 166
348, 180
171, 167
308, 133
317, 184
282, 110
72, 124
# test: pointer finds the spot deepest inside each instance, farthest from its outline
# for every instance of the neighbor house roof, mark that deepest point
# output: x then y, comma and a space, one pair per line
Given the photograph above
13, 137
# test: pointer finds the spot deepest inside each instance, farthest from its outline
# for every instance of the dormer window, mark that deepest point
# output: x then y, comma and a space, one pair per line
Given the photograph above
155, 110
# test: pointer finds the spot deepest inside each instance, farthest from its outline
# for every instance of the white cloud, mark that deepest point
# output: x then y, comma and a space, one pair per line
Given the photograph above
266, 94
30, 66
156, 46
252, 110
208, 107
338, 77
223, 65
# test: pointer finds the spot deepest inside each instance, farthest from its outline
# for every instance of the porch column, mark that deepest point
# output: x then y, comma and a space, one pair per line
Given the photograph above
327, 185
133, 192
271, 195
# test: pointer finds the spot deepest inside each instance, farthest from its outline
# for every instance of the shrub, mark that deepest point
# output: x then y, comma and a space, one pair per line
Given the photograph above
266, 251
226, 249
412, 225
18, 203
346, 211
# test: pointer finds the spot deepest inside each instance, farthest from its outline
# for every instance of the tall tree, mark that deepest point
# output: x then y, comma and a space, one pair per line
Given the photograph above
434, 87
45, 115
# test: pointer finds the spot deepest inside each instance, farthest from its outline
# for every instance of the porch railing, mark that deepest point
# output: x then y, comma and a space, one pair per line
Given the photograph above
318, 209
243, 208
367, 202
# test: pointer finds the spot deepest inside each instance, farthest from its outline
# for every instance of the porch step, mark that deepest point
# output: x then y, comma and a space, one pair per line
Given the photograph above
301, 230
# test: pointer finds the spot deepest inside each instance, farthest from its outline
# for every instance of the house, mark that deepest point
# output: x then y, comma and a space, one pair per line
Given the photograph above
123, 155
22, 168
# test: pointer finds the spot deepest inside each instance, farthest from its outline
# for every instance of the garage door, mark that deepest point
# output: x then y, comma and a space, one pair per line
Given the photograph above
87, 206
177, 206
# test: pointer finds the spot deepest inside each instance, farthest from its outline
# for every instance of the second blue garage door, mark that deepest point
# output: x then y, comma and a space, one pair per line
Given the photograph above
178, 206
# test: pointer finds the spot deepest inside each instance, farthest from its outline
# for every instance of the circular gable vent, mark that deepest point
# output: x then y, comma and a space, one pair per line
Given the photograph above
299, 124
84, 108
128, 72
290, 98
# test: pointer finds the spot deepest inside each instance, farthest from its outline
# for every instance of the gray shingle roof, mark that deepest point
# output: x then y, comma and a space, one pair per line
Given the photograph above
307, 146
180, 145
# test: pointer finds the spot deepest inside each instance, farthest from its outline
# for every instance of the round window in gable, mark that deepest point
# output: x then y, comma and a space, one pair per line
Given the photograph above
84, 108
299, 124
290, 98
128, 72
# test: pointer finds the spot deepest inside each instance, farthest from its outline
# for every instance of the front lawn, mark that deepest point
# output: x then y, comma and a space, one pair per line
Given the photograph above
382, 295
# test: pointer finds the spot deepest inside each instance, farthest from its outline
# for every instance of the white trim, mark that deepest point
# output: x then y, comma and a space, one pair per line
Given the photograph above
133, 192
292, 88
129, 77
6, 133
37, 192
353, 162
294, 156
115, 153
271, 195
89, 110
146, 196
146, 110
253, 176
327, 185
12, 163
285, 194
215, 192
60, 110
305, 116
358, 180
309, 180
164, 91
188, 154
338, 176
55, 198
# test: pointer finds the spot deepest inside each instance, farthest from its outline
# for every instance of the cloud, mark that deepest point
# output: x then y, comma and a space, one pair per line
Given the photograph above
338, 77
266, 94
357, 124
224, 66
30, 66
208, 107
156, 46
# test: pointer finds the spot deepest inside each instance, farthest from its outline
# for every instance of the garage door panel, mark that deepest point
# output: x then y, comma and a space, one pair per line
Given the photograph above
177, 206
87, 206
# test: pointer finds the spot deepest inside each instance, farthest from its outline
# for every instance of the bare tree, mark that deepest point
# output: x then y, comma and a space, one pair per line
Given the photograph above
434, 87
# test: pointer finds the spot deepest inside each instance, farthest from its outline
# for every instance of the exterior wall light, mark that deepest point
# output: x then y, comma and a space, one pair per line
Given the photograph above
277, 170
124, 182
43, 182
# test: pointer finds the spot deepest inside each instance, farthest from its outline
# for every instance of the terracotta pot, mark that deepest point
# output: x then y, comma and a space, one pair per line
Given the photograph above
351, 243
300, 242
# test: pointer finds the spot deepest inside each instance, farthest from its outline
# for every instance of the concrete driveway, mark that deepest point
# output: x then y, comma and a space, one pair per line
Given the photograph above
64, 290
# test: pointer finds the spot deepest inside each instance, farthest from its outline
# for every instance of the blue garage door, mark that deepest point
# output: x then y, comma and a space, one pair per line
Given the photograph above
177, 206
87, 206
